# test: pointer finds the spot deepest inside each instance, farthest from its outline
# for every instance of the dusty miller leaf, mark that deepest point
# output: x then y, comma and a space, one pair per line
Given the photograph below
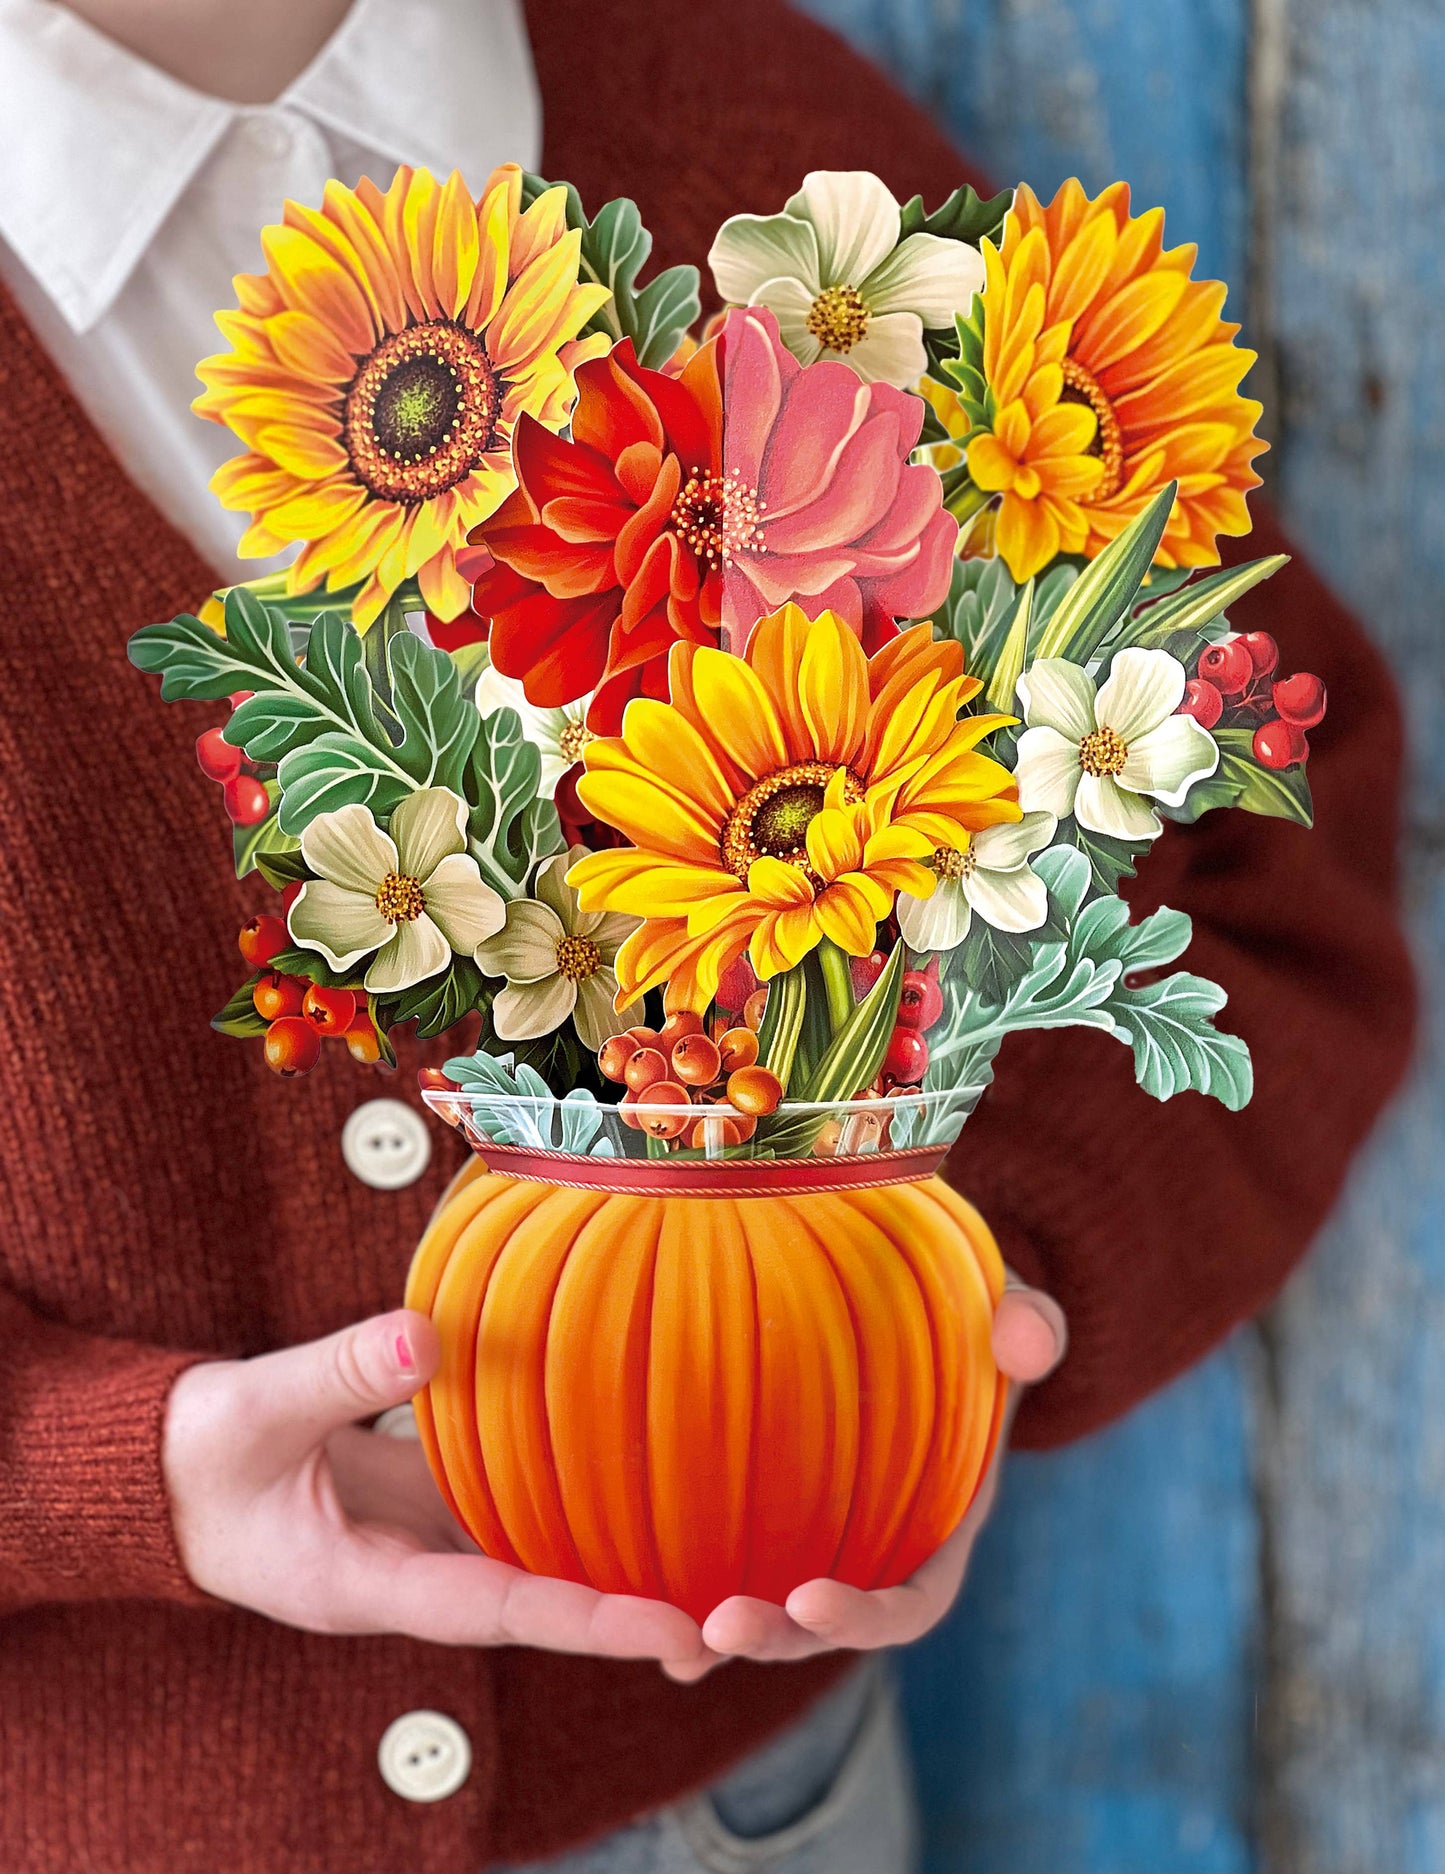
510, 828
614, 247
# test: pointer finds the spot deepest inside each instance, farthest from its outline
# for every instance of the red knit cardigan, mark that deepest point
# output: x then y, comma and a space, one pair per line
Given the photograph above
162, 1196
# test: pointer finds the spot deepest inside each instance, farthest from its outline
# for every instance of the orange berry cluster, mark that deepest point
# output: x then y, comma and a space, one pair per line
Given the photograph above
682, 1066
300, 1014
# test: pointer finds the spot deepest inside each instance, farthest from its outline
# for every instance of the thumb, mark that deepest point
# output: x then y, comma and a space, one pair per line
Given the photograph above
305, 1393
1030, 1334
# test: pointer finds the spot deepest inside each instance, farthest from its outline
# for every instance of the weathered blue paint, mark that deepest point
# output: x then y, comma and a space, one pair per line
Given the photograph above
1084, 1708
1148, 90
1299, 142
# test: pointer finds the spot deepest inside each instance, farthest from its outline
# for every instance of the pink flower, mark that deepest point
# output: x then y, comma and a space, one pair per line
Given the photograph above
838, 518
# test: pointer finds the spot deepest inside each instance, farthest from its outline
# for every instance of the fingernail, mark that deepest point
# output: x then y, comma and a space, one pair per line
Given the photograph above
404, 1357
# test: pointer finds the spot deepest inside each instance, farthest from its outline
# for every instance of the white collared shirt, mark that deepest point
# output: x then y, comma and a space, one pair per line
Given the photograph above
128, 200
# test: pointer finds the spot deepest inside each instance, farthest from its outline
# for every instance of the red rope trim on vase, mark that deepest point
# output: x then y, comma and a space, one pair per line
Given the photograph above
702, 1177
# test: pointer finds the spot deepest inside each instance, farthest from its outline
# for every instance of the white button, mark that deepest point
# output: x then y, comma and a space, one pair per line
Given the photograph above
397, 1422
270, 135
386, 1143
424, 1756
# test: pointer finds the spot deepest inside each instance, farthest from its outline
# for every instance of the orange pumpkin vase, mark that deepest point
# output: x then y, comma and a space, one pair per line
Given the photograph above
696, 1395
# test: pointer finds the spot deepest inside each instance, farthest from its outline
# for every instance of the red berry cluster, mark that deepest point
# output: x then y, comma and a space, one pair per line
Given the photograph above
1234, 686
300, 1014
920, 1003
243, 793
681, 1065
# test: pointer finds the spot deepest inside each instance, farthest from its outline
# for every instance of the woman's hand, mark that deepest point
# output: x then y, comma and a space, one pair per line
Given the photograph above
283, 1504
1029, 1339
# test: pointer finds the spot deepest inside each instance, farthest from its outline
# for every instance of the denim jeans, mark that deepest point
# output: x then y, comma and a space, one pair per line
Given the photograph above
831, 1795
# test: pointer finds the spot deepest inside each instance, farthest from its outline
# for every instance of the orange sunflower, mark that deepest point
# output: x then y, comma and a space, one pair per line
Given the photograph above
377, 370
783, 797
1110, 373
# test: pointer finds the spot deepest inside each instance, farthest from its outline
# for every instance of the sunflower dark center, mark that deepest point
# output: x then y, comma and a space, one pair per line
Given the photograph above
772, 818
421, 412
415, 408
780, 826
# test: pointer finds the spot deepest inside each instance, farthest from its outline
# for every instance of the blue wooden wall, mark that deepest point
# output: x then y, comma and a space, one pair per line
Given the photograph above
1211, 1637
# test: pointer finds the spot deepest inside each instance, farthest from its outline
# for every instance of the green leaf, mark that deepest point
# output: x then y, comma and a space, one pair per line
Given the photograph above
1195, 607
1107, 587
850, 1063
856, 1052
501, 1097
1176, 1046
965, 370
782, 1024
1010, 665
510, 829
1087, 980
1241, 781
614, 247
438, 1003
387, 1056
296, 961
293, 704
815, 1033
239, 1016
337, 770
501, 1092
281, 868
559, 1058
470, 660
1110, 860
965, 216
1068, 880
989, 960
198, 664
318, 719
438, 723
263, 841
954, 1090
982, 608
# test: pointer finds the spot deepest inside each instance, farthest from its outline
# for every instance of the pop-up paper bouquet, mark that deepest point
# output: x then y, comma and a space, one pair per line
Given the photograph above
749, 724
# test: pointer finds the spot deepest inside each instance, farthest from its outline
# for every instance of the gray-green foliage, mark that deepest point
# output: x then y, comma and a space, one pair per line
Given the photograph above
318, 719
615, 246
510, 828
512, 1104
1085, 980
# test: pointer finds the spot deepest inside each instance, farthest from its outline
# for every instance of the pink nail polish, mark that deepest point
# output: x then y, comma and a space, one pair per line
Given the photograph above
404, 1355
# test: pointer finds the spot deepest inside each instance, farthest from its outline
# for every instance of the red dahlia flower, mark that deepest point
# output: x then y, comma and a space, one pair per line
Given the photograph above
685, 509
597, 568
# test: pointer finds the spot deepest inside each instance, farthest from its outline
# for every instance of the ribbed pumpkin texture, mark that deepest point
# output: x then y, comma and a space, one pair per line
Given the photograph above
695, 1396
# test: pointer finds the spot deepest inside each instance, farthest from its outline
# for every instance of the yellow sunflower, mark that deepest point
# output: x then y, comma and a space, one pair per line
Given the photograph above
783, 797
377, 370
1111, 373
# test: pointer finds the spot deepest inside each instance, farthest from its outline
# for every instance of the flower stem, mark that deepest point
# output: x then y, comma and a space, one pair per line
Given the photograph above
966, 501
837, 983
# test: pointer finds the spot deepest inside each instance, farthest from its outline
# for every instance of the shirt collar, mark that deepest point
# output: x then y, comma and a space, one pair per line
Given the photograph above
103, 145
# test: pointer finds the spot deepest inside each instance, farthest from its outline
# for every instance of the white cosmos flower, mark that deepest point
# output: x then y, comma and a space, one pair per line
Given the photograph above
413, 895
1096, 756
558, 960
841, 283
991, 875
561, 734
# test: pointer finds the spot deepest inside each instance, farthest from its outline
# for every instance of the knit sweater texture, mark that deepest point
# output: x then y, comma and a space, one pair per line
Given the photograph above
164, 1198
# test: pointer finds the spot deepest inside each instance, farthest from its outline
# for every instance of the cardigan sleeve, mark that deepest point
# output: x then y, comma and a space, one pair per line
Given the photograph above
1158, 1227
83, 1507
